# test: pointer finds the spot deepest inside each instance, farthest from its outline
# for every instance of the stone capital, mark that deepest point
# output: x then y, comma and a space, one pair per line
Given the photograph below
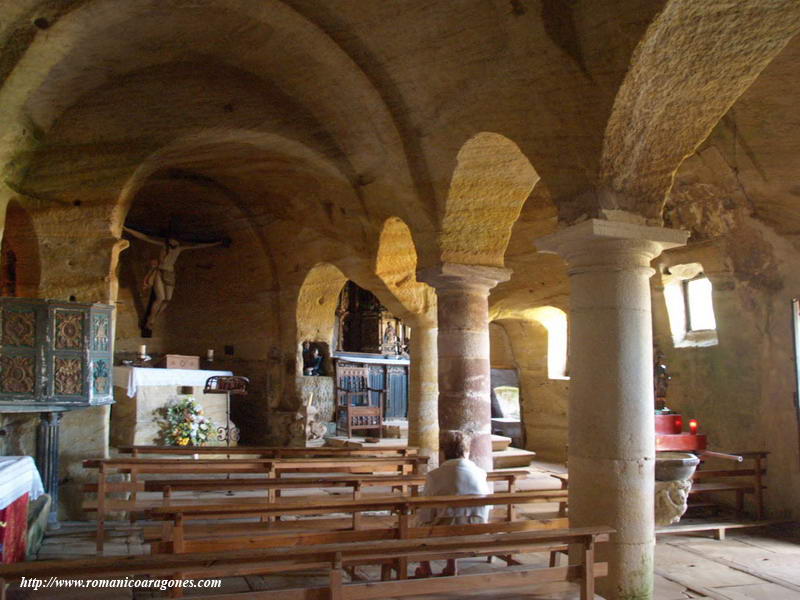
456, 276
422, 321
598, 242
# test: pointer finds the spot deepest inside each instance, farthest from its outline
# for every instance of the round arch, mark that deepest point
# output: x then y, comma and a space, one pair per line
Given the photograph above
316, 306
20, 263
490, 183
396, 266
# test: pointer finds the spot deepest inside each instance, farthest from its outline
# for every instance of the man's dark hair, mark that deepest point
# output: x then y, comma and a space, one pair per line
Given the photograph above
454, 444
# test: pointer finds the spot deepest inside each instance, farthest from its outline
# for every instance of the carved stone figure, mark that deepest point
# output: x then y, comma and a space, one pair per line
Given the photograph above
315, 429
671, 500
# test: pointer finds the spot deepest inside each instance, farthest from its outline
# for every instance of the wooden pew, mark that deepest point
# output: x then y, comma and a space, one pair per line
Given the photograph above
268, 451
275, 485
355, 481
563, 479
223, 538
269, 468
174, 536
334, 558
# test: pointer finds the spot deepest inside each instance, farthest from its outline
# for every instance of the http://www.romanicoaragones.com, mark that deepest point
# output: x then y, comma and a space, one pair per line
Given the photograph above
35, 583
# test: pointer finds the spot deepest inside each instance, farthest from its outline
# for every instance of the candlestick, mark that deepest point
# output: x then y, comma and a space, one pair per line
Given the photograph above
693, 426
210, 354
142, 350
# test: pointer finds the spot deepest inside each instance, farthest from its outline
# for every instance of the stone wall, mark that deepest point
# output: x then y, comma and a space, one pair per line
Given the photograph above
322, 389
224, 297
742, 389
523, 345
223, 301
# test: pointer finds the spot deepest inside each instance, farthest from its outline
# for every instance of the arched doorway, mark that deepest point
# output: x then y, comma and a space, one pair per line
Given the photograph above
19, 255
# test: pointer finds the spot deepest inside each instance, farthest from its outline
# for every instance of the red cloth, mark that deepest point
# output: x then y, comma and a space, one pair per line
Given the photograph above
14, 536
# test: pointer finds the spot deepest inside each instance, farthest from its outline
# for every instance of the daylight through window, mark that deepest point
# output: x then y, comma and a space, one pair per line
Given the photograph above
699, 306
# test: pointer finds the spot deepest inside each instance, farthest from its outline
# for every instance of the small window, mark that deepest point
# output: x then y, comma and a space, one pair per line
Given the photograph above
508, 401
689, 296
555, 321
699, 306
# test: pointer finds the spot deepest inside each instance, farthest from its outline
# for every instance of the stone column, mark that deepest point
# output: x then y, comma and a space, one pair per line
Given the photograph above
464, 370
423, 419
47, 459
611, 423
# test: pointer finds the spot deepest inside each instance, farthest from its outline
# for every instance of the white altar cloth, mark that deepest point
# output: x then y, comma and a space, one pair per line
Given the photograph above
18, 476
133, 378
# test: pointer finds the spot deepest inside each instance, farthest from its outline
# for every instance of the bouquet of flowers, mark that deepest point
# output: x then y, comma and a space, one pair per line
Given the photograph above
185, 423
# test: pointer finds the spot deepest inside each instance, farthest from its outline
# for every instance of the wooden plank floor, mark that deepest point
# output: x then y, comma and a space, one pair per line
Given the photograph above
750, 564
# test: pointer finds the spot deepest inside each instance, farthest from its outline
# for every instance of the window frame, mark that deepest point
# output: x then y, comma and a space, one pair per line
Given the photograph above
676, 280
687, 303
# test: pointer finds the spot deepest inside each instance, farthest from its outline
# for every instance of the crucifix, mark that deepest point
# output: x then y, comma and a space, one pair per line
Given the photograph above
160, 278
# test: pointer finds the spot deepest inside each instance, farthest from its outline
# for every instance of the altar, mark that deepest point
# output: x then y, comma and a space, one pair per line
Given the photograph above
141, 392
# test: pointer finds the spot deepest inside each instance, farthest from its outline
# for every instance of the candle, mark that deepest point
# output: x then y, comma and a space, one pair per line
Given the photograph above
693, 426
142, 350
210, 354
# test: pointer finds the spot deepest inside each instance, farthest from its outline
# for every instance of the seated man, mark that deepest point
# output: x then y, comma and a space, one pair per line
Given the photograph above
456, 476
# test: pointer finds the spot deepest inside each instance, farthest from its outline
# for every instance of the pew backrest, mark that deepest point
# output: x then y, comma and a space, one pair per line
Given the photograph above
269, 451
336, 557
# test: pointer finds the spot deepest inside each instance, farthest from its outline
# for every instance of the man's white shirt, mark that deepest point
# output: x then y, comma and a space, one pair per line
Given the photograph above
456, 477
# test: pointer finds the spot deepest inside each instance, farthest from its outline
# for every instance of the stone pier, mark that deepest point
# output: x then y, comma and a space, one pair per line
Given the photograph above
611, 424
423, 420
463, 341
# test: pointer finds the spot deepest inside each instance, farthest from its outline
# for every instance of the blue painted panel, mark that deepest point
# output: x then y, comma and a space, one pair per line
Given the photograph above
397, 394
376, 382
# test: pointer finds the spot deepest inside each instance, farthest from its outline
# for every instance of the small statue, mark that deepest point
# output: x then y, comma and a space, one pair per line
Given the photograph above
390, 341
660, 379
312, 359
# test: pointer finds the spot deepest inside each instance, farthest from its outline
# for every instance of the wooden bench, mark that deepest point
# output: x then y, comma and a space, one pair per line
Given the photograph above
174, 538
226, 536
335, 558
274, 485
357, 482
269, 451
269, 468
563, 479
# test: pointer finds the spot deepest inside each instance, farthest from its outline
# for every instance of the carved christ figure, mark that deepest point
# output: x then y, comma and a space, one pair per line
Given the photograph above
161, 276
